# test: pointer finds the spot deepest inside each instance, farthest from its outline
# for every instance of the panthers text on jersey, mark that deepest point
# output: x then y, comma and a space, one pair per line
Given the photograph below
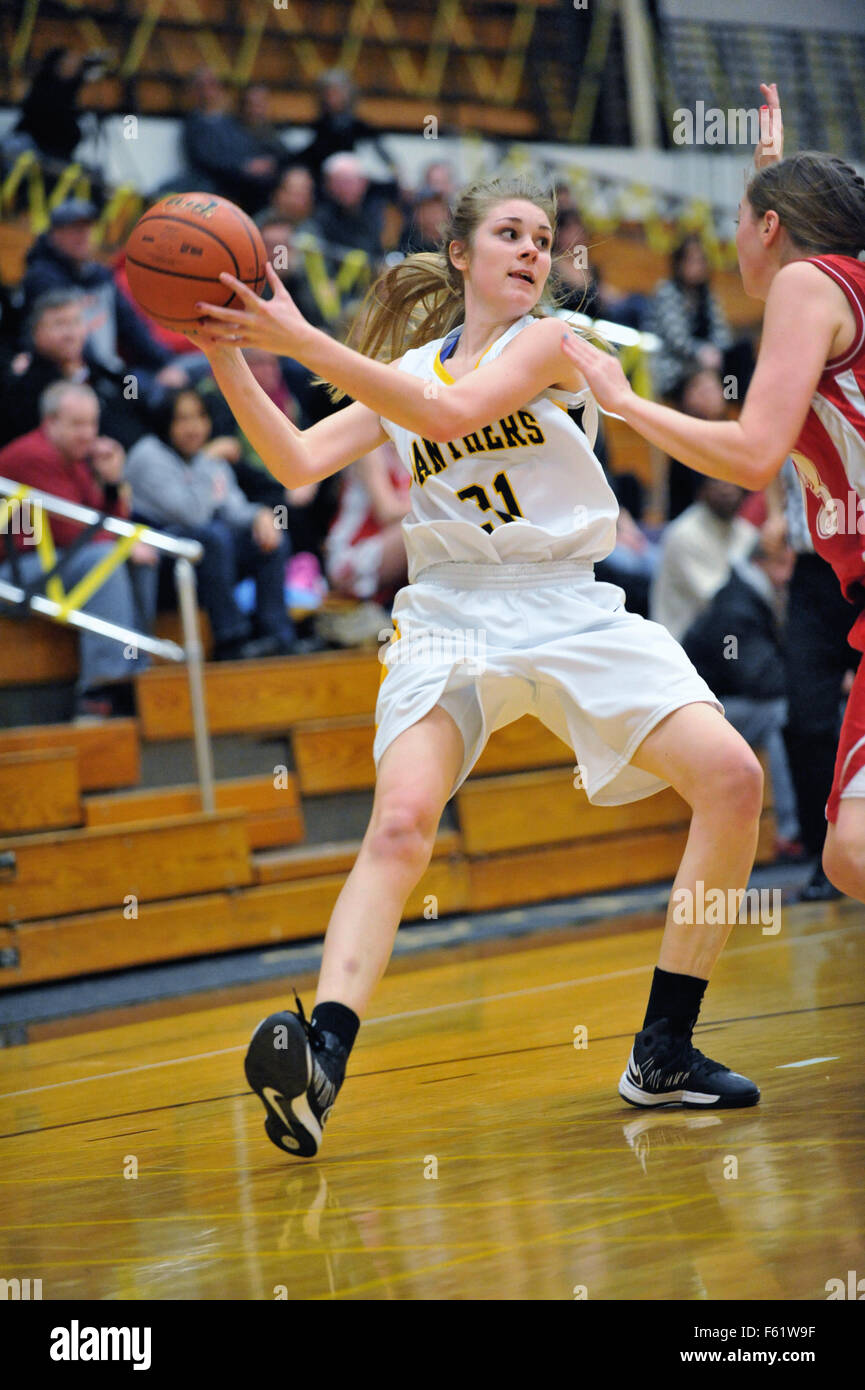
520, 489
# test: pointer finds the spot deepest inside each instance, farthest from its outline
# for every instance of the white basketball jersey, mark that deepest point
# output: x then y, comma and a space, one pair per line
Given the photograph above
522, 489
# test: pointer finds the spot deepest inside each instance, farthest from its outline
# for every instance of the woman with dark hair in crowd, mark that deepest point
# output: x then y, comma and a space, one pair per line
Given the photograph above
183, 483
686, 316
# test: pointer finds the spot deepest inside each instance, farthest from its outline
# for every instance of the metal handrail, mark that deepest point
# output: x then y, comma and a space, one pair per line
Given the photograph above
185, 552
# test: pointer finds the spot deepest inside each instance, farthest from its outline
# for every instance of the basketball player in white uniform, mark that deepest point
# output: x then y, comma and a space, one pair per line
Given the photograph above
502, 616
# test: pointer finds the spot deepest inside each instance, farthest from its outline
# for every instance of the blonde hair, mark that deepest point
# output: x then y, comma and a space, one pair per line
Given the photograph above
423, 297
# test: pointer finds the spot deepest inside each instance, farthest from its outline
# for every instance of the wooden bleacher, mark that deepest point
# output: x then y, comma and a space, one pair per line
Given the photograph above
138, 875
40, 652
271, 809
39, 789
108, 754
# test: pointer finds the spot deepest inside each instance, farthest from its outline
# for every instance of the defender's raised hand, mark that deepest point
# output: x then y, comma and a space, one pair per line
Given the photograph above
770, 147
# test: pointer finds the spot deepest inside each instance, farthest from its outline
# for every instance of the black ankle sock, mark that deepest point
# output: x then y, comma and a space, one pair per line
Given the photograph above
676, 997
337, 1019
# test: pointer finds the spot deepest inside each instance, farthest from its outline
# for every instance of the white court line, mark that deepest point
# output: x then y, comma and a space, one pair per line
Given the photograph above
809, 1062
414, 1013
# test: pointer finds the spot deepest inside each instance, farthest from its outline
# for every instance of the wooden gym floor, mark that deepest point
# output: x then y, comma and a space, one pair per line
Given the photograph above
474, 1152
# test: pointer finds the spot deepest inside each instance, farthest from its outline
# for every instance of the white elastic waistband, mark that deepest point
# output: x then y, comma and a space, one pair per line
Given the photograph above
453, 574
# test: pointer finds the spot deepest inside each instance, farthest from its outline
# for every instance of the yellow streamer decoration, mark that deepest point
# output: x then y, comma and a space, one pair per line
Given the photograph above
94, 578
48, 559
91, 581
635, 365
328, 293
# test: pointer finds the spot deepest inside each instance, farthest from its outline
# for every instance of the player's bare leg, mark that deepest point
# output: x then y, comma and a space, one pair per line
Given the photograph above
297, 1067
415, 777
844, 850
714, 770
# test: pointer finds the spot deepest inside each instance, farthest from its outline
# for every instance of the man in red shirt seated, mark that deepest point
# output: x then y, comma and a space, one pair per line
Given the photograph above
67, 457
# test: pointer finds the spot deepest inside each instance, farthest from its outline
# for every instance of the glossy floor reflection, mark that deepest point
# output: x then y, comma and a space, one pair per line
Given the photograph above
474, 1153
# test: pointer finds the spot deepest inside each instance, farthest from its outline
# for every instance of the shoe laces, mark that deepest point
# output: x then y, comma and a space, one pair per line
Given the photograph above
680, 1049
315, 1036
319, 1040
692, 1057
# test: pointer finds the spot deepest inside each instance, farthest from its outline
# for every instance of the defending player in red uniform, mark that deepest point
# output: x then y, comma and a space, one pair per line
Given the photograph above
801, 245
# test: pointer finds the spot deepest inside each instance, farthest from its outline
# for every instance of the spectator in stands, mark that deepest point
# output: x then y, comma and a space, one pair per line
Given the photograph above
289, 262
699, 392
177, 344
48, 121
688, 319
222, 155
365, 550
337, 128
117, 334
290, 265
696, 553
293, 200
439, 175
67, 457
253, 478
255, 121
348, 215
633, 562
59, 351
182, 483
305, 512
10, 325
583, 288
565, 200
736, 645
425, 222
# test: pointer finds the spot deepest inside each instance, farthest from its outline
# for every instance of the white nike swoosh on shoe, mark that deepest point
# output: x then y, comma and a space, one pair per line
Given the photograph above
273, 1099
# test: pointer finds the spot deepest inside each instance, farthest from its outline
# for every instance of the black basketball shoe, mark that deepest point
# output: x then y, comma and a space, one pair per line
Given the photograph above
296, 1069
665, 1069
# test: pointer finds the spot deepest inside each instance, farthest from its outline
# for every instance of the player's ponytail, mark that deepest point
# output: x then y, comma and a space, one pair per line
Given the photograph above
422, 298
819, 199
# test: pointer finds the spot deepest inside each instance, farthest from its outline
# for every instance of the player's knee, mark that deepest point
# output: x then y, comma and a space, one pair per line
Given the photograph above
843, 866
734, 790
403, 830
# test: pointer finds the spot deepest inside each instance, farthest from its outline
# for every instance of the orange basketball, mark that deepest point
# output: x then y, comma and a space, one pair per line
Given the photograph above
176, 251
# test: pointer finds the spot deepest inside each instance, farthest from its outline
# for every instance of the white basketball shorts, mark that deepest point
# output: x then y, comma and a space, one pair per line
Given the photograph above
490, 643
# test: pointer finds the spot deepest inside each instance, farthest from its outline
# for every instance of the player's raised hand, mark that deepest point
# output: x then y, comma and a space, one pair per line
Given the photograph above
276, 324
770, 147
603, 372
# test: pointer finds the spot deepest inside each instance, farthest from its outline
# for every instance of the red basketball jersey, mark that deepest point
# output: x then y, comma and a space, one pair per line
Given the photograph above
830, 452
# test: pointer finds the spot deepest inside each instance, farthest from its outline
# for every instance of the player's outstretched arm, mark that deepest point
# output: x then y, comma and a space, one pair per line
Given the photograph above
799, 325
294, 457
435, 411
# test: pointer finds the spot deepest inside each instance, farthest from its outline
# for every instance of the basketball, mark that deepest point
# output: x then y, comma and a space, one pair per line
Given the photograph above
176, 251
